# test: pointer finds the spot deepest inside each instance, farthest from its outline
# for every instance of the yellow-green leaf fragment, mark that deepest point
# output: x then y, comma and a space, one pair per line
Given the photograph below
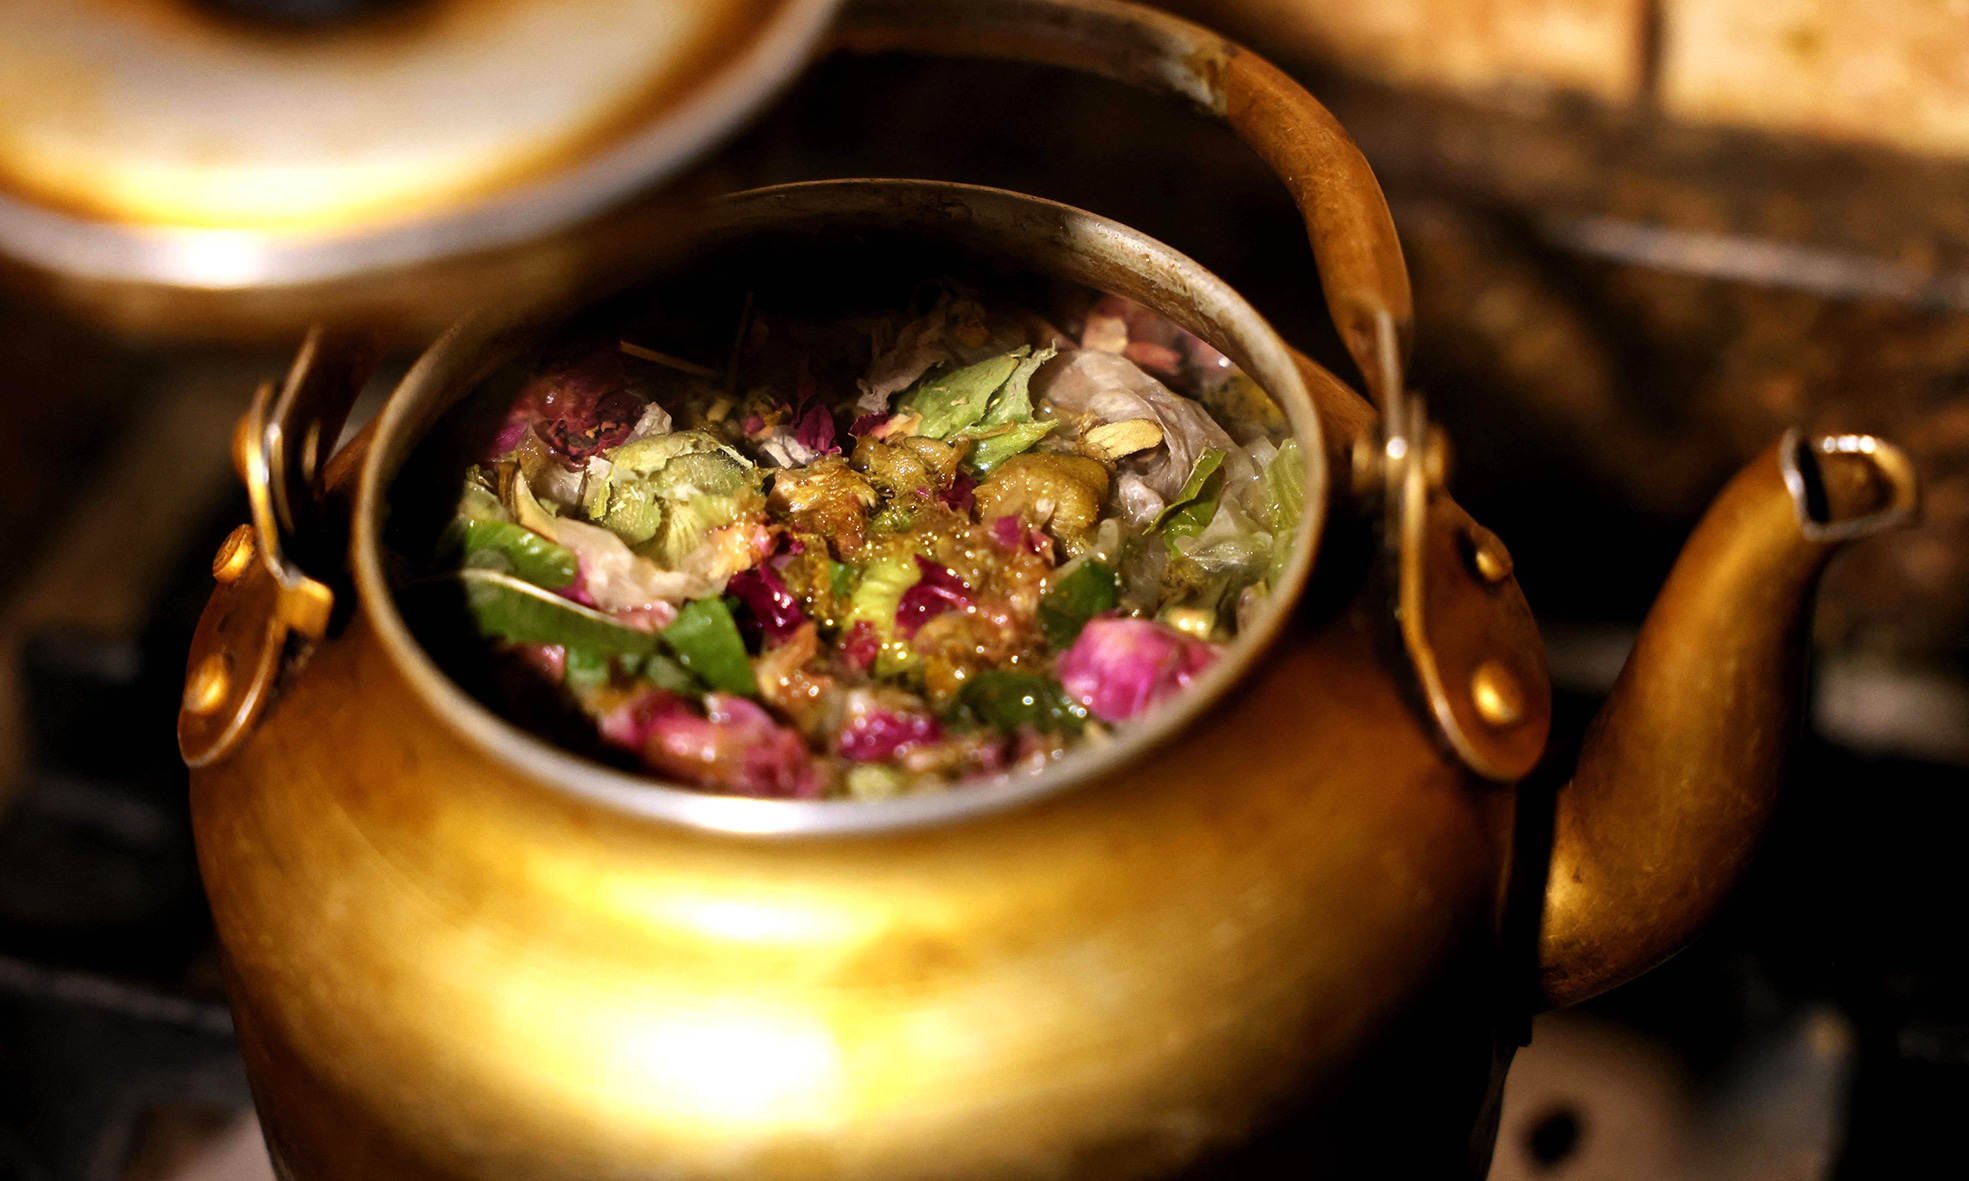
511, 549
1284, 485
991, 450
1013, 402
952, 401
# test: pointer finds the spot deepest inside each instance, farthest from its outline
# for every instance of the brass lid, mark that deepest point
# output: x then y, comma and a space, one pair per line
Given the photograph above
164, 141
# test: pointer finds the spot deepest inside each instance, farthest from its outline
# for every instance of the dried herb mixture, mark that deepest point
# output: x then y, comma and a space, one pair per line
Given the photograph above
876, 556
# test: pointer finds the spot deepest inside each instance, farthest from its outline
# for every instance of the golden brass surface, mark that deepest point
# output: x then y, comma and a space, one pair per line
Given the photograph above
235, 554
454, 951
442, 969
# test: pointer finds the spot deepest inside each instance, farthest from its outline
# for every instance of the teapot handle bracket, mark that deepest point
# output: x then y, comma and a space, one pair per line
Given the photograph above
280, 449
1472, 650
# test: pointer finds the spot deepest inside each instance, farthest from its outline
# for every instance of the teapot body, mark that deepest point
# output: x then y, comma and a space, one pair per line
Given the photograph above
444, 967
1264, 921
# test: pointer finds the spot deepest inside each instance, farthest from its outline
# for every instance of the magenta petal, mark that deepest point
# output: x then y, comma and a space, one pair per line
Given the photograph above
733, 746
816, 431
861, 646
1157, 359
871, 734
584, 408
549, 660
1119, 668
777, 611
787, 548
937, 591
959, 496
650, 617
511, 433
628, 725
578, 589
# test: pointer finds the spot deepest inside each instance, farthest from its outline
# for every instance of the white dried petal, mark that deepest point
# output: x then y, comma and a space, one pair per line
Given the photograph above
655, 420
1105, 334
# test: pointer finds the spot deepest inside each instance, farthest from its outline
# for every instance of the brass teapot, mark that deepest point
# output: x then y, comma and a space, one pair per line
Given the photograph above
1264, 932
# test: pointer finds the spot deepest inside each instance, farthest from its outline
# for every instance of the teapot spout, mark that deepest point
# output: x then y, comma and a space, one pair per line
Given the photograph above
1680, 770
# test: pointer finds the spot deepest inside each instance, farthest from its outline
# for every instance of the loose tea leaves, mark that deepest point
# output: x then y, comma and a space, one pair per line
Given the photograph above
907, 551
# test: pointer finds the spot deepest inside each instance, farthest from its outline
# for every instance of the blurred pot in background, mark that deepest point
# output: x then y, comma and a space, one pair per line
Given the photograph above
197, 170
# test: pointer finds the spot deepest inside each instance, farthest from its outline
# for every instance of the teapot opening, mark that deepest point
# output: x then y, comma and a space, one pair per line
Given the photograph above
789, 237
1845, 486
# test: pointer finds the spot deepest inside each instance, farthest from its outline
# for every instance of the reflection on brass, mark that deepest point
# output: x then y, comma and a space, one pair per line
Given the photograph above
235, 554
1436, 459
455, 951
209, 683
240, 430
1500, 701
1817, 494
1364, 468
1488, 557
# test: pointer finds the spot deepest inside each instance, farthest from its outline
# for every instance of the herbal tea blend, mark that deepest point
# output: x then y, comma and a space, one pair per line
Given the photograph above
873, 556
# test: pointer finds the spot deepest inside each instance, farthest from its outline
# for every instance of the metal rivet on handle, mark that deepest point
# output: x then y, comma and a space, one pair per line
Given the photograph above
234, 555
1500, 701
208, 685
1488, 558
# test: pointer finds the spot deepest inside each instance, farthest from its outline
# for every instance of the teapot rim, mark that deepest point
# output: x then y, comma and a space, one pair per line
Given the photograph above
456, 363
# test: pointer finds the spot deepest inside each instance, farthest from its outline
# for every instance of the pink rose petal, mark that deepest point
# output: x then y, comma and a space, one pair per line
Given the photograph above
774, 608
871, 732
937, 591
1120, 668
733, 746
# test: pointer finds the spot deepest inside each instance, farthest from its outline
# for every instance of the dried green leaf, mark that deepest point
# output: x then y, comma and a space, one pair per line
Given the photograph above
1284, 485
706, 641
1013, 402
1190, 512
1009, 700
1087, 590
511, 549
584, 670
951, 401
522, 613
991, 450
